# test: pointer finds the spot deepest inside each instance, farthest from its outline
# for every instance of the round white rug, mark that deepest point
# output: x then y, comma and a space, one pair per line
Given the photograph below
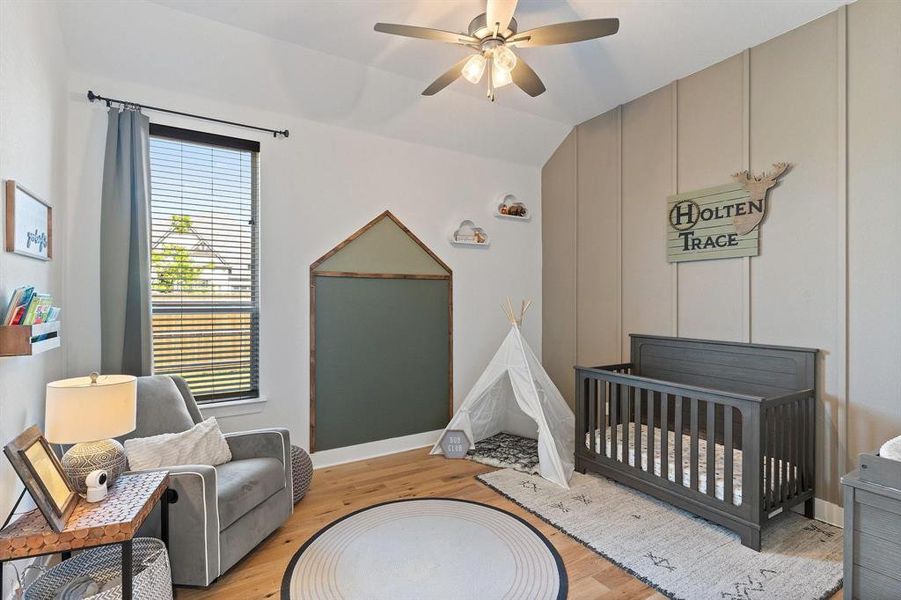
426, 549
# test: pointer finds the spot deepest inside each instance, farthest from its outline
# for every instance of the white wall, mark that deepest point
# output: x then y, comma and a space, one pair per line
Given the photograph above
33, 152
319, 186
175, 50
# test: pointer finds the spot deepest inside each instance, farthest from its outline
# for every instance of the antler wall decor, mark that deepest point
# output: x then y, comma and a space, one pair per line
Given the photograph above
757, 186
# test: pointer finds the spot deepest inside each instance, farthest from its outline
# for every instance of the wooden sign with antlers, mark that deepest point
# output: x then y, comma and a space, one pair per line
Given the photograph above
720, 222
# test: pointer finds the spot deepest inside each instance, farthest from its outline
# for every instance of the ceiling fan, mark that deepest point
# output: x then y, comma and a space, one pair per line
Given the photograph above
492, 35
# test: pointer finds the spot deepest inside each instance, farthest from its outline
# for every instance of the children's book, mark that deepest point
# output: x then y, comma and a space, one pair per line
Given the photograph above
37, 308
19, 298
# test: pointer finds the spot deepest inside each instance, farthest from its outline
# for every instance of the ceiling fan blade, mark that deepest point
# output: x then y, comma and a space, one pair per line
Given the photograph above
425, 33
526, 79
446, 79
499, 14
565, 33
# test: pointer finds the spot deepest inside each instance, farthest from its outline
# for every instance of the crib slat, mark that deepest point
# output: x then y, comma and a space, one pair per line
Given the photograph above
652, 398
636, 440
582, 384
780, 452
624, 414
770, 446
802, 445
664, 435
677, 446
776, 449
592, 413
711, 448
727, 455
786, 448
694, 444
614, 409
796, 449
796, 434
767, 454
811, 424
602, 417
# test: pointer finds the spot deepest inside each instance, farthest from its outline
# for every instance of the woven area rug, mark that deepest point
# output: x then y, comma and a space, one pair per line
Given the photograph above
427, 549
506, 450
679, 554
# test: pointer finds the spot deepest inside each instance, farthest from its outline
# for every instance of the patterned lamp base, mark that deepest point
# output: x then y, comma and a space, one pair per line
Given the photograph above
302, 472
83, 458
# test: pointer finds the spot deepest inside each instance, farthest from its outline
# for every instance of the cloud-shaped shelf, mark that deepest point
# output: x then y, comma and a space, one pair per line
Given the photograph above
511, 208
467, 234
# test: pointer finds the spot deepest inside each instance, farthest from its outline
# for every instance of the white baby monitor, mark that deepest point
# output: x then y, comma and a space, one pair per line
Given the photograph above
96, 484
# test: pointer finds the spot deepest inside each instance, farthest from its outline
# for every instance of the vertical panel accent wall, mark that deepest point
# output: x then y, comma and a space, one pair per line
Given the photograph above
874, 224
647, 159
828, 275
598, 243
794, 290
710, 148
558, 266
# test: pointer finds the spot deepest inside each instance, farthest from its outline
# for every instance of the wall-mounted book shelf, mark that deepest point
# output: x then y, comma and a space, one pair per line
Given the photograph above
28, 340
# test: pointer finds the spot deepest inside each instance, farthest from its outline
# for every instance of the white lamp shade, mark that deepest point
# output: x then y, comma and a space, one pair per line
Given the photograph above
79, 410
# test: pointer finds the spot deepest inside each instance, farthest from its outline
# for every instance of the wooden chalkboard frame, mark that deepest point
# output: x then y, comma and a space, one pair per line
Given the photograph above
449, 277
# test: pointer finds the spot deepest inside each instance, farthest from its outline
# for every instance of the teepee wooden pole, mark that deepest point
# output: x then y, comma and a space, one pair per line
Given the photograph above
512, 312
507, 313
525, 309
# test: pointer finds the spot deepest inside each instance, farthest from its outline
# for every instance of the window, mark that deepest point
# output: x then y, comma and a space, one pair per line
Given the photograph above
205, 261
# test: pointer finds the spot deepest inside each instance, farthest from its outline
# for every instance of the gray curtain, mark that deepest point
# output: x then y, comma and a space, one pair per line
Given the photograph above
125, 309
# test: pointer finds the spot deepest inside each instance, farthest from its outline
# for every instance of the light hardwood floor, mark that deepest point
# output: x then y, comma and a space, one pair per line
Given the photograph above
339, 490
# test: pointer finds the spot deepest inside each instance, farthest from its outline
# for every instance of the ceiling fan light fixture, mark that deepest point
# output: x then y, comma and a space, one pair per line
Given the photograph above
493, 35
504, 58
500, 77
474, 68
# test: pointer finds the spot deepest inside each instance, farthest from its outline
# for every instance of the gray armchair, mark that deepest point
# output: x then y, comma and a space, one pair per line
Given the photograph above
216, 514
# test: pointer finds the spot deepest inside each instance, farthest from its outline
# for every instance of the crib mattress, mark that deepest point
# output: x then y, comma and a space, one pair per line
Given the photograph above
686, 459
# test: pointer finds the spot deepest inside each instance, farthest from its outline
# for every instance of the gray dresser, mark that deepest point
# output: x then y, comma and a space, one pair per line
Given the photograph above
873, 530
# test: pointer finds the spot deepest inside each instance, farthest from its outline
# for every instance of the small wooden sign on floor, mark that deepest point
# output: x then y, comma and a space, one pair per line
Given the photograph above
719, 222
455, 443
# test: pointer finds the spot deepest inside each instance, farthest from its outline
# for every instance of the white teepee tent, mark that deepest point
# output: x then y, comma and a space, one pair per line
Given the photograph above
515, 395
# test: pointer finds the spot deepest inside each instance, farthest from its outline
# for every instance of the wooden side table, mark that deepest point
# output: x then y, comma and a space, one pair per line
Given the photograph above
114, 520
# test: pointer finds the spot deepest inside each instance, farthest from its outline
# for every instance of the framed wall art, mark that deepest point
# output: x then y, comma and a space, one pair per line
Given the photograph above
29, 229
41, 472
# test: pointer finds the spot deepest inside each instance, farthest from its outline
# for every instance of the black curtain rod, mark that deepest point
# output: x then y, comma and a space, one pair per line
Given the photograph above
109, 101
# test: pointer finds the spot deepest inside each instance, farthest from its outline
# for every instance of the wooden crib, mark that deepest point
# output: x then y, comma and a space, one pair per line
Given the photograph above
681, 405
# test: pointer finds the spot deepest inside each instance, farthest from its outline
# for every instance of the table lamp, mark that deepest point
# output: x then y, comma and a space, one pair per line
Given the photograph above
87, 412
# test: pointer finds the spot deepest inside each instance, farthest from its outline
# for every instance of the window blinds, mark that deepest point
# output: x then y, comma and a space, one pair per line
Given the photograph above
204, 261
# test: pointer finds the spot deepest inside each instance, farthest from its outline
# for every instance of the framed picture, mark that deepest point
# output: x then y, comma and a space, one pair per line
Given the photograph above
29, 223
43, 476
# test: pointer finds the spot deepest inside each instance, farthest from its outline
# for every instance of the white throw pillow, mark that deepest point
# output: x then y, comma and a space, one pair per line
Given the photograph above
891, 449
203, 444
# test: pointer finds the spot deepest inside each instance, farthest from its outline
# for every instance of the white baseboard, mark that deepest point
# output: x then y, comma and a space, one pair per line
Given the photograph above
338, 456
826, 512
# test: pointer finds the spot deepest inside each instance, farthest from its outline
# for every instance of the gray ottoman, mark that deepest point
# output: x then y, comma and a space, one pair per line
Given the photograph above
302, 467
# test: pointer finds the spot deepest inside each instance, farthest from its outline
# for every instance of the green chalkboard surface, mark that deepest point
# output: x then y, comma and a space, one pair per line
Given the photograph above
381, 358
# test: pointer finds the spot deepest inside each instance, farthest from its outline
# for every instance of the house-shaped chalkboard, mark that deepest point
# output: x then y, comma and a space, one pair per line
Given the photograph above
381, 319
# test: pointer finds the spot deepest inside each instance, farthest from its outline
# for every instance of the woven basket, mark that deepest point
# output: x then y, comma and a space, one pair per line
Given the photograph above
302, 468
152, 577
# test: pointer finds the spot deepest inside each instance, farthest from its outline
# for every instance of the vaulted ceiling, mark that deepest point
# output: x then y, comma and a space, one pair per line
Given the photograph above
321, 59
